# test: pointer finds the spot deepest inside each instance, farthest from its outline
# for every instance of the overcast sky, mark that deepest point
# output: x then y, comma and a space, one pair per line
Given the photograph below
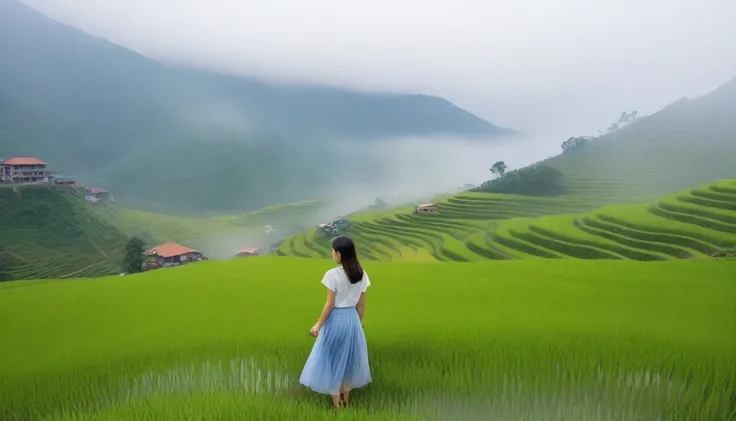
540, 66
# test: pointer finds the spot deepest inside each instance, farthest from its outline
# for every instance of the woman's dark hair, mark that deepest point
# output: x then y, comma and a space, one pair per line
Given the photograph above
348, 258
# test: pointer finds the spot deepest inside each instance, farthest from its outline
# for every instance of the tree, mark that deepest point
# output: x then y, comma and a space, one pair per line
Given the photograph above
3, 265
536, 180
574, 144
499, 169
624, 120
133, 262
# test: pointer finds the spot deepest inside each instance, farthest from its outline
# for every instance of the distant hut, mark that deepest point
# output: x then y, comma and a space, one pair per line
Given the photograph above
96, 194
246, 252
325, 227
426, 208
173, 254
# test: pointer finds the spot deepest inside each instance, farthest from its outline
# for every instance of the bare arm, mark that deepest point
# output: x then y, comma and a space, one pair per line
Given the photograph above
329, 305
361, 306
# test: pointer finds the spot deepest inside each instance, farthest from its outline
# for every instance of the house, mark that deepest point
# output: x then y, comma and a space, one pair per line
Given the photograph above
430, 208
325, 227
23, 170
63, 180
245, 252
172, 254
96, 194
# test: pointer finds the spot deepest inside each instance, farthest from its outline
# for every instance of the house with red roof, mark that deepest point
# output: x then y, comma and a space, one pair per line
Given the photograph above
245, 252
173, 254
96, 194
23, 170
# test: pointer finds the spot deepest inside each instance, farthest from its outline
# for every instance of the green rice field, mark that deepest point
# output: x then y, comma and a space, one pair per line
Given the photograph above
504, 340
693, 223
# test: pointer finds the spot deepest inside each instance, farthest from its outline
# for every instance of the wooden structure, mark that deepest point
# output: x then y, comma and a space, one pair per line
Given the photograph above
173, 254
23, 170
246, 252
426, 208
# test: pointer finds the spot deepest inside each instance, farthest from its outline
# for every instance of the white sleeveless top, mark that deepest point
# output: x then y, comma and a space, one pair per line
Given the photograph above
346, 294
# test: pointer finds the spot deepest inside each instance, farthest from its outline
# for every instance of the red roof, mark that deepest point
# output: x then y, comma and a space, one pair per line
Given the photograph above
248, 250
172, 249
24, 161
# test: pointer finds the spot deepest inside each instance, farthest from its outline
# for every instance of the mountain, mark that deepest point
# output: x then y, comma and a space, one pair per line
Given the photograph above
111, 116
688, 143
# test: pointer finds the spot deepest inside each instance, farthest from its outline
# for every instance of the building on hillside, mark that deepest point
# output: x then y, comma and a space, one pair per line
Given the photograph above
426, 208
23, 170
173, 254
63, 180
96, 194
246, 252
325, 227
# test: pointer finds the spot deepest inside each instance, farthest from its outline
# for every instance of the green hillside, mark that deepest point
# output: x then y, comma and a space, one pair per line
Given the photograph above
480, 226
54, 233
564, 340
688, 143
112, 117
49, 233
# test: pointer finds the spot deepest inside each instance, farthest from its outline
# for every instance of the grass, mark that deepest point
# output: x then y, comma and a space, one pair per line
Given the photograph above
539, 340
52, 233
693, 223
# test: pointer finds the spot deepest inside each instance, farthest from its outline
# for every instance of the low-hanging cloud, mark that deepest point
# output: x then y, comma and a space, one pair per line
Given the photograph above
534, 65
408, 170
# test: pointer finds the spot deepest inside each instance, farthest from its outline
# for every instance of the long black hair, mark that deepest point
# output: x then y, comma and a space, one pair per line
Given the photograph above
348, 258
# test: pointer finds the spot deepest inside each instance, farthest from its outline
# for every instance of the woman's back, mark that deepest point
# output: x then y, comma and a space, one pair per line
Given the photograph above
346, 294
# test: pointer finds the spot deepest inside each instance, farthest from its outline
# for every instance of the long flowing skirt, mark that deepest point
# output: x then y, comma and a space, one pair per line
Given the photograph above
339, 355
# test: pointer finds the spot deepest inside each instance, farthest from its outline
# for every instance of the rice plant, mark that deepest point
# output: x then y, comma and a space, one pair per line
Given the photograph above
537, 339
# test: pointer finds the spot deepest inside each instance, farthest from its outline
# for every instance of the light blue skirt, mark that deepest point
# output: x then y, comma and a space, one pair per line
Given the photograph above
339, 355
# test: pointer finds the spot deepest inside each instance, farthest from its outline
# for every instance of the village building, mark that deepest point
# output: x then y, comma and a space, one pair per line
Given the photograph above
63, 180
246, 252
426, 208
96, 194
325, 227
173, 254
24, 170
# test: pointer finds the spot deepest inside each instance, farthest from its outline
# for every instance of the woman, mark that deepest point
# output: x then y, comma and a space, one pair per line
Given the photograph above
338, 362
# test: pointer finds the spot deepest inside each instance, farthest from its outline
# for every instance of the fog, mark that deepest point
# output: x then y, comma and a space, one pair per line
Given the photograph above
549, 68
407, 171
414, 169
537, 66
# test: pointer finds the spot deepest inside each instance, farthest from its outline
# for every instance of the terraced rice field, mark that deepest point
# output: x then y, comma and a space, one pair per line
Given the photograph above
475, 226
51, 233
46, 233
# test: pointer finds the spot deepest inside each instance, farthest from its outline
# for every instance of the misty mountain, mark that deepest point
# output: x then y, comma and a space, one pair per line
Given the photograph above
111, 116
690, 142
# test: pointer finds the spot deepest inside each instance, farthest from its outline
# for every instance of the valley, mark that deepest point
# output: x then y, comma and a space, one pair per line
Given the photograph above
164, 229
